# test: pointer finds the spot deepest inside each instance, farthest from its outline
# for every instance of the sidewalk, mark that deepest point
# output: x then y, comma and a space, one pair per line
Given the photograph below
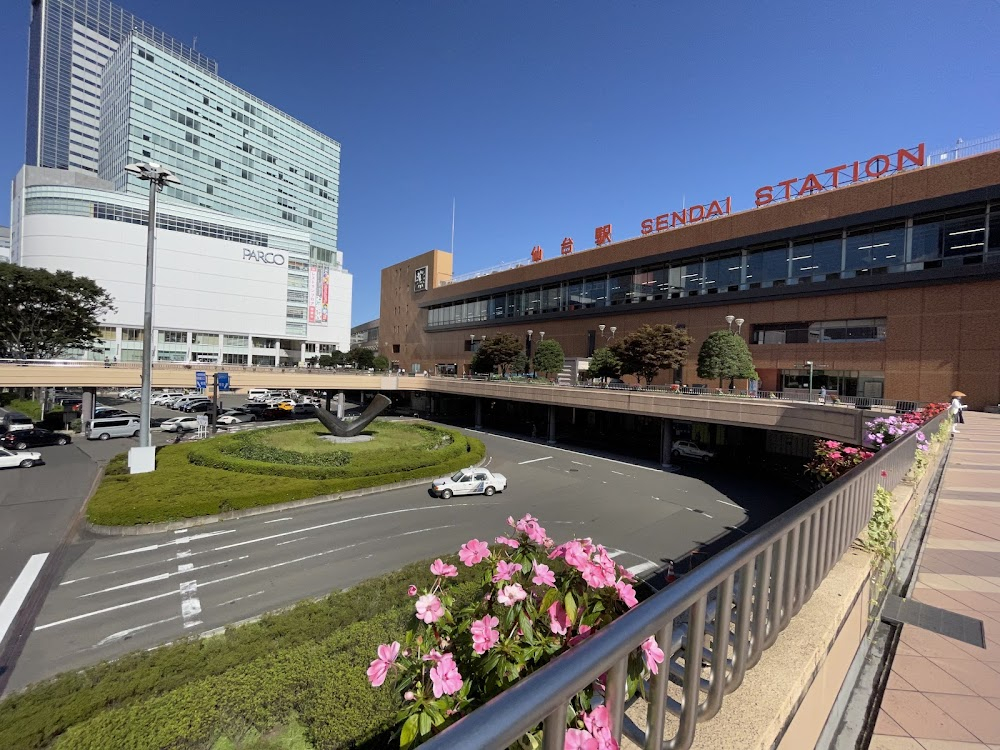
942, 693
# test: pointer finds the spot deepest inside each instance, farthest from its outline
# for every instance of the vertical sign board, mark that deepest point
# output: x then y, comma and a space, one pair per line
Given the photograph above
200, 380
326, 295
310, 291
223, 381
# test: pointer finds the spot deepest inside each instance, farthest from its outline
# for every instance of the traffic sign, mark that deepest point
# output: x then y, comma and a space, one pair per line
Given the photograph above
200, 380
223, 381
203, 420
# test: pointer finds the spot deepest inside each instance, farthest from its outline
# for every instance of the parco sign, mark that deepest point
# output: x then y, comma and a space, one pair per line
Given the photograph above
263, 256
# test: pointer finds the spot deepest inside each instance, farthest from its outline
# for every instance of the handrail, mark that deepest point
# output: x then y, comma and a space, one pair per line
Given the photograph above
770, 574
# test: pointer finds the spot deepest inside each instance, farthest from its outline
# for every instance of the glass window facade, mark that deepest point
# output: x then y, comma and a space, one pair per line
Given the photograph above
966, 236
819, 332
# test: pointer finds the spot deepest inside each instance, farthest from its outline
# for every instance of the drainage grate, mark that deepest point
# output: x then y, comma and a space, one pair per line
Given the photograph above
960, 627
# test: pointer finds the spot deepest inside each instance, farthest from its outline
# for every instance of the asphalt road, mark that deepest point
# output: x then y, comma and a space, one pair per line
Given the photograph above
120, 594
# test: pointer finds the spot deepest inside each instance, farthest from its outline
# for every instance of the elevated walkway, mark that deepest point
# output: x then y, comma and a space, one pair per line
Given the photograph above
944, 693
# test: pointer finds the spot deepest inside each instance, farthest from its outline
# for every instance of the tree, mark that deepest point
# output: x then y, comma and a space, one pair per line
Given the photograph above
43, 314
362, 359
652, 348
549, 357
520, 363
481, 363
325, 360
500, 350
725, 355
336, 358
381, 363
604, 364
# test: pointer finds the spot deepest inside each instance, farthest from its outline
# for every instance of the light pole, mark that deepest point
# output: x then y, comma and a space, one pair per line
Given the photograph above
810, 363
612, 329
528, 348
143, 459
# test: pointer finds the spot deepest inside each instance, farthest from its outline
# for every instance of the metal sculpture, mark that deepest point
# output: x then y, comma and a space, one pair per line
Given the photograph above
342, 428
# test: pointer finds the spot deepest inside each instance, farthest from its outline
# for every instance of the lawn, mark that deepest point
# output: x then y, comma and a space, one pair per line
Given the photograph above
234, 472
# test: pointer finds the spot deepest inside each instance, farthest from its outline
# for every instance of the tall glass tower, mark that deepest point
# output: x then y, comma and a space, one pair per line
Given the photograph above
70, 42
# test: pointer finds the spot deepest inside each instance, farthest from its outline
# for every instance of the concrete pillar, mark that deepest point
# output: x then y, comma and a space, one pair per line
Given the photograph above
479, 414
89, 402
552, 425
328, 399
340, 405
666, 442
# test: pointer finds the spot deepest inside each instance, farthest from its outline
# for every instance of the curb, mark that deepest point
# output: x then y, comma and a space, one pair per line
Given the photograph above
234, 515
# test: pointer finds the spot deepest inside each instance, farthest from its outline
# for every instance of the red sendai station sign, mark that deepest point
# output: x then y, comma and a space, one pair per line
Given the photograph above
831, 178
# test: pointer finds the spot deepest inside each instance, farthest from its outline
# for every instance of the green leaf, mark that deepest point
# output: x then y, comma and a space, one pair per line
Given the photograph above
425, 724
550, 598
409, 731
570, 606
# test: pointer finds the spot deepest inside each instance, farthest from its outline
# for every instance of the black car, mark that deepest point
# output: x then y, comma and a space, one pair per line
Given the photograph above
199, 406
108, 412
254, 408
275, 414
23, 439
304, 411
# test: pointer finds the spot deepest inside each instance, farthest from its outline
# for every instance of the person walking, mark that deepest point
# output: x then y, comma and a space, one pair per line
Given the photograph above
956, 409
822, 394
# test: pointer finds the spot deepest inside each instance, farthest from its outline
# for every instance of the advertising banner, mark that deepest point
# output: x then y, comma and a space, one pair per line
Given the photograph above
311, 291
326, 295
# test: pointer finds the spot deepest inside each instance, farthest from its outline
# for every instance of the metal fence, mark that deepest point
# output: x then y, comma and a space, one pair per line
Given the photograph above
717, 620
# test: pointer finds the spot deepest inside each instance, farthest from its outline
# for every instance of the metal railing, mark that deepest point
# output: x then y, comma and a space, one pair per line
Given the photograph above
717, 620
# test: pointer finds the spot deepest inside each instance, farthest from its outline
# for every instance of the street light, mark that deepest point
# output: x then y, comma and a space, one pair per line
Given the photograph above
612, 329
143, 458
542, 334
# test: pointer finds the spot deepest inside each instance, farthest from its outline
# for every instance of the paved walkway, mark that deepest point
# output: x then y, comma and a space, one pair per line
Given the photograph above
944, 694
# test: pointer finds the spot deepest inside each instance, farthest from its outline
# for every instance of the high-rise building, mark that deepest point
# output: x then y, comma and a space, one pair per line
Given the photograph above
70, 42
4, 244
232, 152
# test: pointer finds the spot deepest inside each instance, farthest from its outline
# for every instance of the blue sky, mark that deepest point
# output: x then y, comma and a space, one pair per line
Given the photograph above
546, 119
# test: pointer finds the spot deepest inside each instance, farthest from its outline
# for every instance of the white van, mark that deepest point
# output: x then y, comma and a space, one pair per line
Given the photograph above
109, 427
258, 394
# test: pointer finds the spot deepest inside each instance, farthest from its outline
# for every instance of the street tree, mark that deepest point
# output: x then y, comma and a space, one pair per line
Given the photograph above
520, 364
381, 363
549, 357
325, 360
652, 348
604, 364
725, 355
44, 314
336, 358
481, 363
363, 358
500, 350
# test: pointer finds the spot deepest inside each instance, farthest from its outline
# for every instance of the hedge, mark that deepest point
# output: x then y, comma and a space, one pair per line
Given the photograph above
187, 484
138, 685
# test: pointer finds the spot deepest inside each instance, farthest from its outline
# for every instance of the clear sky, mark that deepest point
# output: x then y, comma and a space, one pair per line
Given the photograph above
545, 119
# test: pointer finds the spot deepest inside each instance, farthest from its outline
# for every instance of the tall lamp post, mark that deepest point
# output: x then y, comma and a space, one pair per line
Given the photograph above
528, 347
143, 458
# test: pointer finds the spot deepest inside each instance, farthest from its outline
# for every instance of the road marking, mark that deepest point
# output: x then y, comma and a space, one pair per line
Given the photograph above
619, 473
153, 598
291, 541
699, 512
533, 460
580, 463
190, 603
277, 520
349, 520
565, 450
638, 570
731, 505
184, 568
615, 553
122, 635
241, 598
19, 591
181, 540
182, 531
74, 580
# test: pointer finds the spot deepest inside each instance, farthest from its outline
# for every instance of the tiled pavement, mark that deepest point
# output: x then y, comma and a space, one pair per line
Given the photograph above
944, 694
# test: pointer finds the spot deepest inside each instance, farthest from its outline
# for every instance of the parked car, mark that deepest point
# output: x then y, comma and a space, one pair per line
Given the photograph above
187, 403
258, 394
180, 424
304, 411
23, 439
471, 481
254, 408
236, 416
161, 399
196, 407
107, 411
128, 392
688, 449
11, 421
24, 459
273, 414
108, 427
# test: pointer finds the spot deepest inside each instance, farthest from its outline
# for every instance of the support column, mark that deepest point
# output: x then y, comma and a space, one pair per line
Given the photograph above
89, 401
340, 405
666, 443
552, 425
479, 414
329, 398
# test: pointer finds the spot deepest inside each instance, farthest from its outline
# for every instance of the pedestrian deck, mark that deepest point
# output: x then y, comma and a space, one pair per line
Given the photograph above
942, 693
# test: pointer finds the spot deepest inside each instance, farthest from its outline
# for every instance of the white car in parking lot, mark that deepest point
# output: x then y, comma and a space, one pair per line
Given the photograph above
24, 459
688, 449
180, 424
471, 481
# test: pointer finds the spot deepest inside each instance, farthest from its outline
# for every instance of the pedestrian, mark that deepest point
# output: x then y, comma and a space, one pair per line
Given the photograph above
956, 409
822, 394
107, 362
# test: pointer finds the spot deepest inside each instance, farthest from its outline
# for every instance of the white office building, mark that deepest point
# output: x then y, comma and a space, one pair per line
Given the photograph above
228, 289
4, 245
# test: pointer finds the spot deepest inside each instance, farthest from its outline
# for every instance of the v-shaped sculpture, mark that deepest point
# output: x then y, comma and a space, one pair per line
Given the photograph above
342, 428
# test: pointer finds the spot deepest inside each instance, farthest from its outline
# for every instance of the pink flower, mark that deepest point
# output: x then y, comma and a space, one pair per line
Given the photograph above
580, 739
484, 637
510, 521
626, 593
380, 667
445, 677
511, 595
596, 577
576, 555
652, 653
598, 723
429, 608
409, 696
535, 532
505, 570
440, 568
473, 552
558, 618
522, 524
850, 451
433, 655
883, 473
543, 576
831, 444
512, 543
836, 455
582, 634
412, 591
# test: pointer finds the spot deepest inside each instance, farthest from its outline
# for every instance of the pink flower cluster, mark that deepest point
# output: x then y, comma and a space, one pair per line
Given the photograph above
596, 736
484, 636
380, 667
445, 678
596, 567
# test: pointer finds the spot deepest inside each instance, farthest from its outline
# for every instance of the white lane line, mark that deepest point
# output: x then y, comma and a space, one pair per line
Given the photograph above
278, 520
615, 553
180, 540
183, 568
291, 541
122, 635
182, 531
74, 580
19, 591
153, 598
580, 463
638, 570
565, 450
241, 598
699, 512
731, 505
190, 603
619, 473
349, 520
533, 460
